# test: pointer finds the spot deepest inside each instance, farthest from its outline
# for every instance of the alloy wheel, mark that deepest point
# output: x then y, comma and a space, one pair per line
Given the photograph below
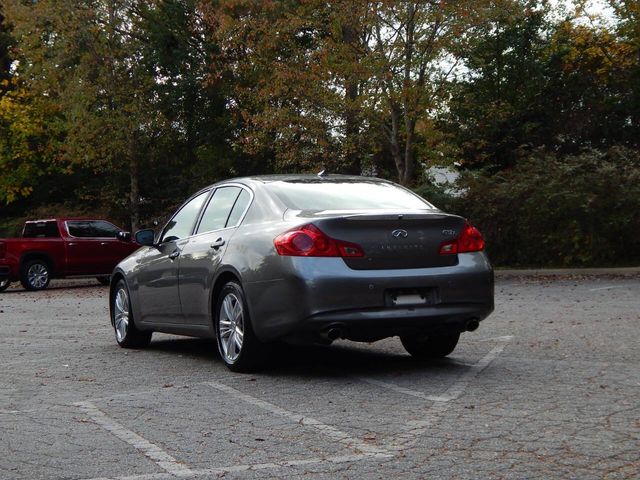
121, 314
231, 327
38, 275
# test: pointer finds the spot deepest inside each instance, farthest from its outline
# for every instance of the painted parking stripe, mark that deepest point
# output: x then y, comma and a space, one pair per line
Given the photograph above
150, 450
415, 429
455, 390
328, 430
603, 288
405, 391
208, 472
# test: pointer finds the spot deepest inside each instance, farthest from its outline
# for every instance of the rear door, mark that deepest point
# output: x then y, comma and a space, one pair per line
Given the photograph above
201, 256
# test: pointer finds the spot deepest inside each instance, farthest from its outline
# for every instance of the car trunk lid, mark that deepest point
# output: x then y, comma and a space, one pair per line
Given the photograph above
395, 240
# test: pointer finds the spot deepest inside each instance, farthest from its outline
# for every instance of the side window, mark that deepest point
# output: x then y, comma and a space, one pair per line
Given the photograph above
81, 229
216, 214
40, 230
238, 209
104, 229
182, 222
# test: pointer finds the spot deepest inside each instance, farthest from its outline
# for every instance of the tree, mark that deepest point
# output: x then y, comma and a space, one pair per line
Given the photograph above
126, 80
536, 83
334, 83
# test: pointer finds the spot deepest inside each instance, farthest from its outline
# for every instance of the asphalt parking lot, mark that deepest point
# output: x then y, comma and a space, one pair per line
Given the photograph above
548, 387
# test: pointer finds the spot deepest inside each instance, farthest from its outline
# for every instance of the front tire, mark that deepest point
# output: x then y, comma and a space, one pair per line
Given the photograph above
35, 275
435, 346
4, 284
239, 348
127, 334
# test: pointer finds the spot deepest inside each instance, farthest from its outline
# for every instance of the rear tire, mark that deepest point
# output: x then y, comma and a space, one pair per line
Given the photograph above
435, 346
239, 348
124, 326
35, 275
104, 280
4, 284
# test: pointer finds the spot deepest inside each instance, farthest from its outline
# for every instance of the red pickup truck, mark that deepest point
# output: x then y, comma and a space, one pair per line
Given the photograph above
62, 247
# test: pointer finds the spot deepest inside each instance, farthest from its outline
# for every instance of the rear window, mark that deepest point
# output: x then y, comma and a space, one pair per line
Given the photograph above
346, 195
40, 230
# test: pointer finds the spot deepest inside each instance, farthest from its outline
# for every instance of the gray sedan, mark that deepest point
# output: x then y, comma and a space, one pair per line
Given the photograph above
252, 261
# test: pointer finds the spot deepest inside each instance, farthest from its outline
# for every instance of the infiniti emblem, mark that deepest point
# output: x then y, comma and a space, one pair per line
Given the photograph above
399, 233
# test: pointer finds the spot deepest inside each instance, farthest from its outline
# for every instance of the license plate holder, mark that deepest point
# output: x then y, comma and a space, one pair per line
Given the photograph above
411, 297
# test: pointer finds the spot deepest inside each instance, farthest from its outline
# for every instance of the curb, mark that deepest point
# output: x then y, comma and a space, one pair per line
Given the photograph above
561, 272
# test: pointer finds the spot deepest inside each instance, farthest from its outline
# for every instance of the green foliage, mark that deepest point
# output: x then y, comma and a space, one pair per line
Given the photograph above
535, 83
575, 210
126, 106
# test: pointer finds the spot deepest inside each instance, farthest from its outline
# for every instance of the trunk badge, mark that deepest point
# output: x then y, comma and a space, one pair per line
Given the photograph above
400, 233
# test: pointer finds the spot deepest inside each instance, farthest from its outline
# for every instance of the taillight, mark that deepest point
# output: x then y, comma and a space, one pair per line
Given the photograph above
469, 240
309, 241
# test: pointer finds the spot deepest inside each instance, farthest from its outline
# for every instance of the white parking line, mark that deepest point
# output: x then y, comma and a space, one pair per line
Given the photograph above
207, 472
406, 391
604, 288
418, 428
328, 430
151, 451
455, 390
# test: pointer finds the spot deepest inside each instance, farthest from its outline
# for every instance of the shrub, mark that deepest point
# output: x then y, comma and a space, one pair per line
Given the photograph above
550, 211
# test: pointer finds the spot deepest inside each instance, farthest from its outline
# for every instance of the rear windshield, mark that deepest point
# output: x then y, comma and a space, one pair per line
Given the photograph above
346, 195
40, 230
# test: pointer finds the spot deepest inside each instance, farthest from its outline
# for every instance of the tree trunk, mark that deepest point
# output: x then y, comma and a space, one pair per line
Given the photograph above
134, 193
352, 127
394, 142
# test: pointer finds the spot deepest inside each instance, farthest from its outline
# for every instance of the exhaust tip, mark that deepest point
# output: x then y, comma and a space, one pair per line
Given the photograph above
334, 333
472, 325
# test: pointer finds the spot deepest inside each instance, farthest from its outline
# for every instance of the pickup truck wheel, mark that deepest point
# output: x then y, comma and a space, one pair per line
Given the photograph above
104, 280
4, 284
127, 334
35, 275
430, 347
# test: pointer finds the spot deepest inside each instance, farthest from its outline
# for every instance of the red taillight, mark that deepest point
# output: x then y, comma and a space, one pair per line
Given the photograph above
309, 241
469, 240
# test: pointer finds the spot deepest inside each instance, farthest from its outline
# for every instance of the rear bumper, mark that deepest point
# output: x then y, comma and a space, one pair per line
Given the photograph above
317, 294
371, 325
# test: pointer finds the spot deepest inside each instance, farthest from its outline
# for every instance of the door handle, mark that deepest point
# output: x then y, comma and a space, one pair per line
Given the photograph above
72, 244
104, 243
218, 243
175, 254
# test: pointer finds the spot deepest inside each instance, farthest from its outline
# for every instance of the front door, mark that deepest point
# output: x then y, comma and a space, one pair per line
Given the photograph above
85, 254
158, 292
158, 283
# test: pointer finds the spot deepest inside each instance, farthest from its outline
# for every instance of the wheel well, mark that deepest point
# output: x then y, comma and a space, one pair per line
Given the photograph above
115, 278
221, 281
27, 257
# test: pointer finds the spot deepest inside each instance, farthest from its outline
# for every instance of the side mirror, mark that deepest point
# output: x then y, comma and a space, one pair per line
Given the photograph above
145, 237
124, 236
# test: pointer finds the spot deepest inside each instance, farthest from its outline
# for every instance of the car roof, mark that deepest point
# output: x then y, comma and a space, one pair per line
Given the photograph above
329, 178
65, 219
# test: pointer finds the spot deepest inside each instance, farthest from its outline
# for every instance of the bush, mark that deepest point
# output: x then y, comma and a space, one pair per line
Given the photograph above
581, 210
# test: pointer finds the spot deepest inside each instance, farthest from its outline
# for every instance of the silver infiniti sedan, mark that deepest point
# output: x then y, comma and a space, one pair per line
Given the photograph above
252, 261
